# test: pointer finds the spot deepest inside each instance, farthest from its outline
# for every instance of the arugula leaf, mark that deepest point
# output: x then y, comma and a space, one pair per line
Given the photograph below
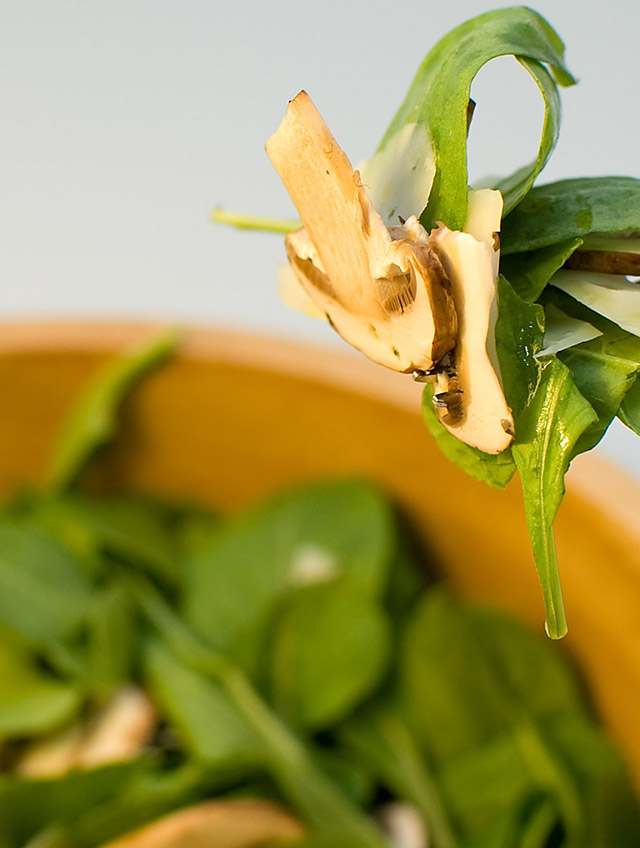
548, 431
519, 337
604, 369
496, 470
329, 648
470, 676
289, 763
550, 415
323, 532
209, 724
603, 375
43, 591
491, 790
28, 806
439, 98
570, 209
629, 411
110, 638
379, 735
131, 528
609, 808
93, 419
32, 702
530, 272
150, 793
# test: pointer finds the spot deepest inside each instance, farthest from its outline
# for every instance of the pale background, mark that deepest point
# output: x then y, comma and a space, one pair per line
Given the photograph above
125, 121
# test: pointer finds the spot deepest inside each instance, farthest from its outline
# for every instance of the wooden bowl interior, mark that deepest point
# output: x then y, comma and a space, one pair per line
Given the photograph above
234, 417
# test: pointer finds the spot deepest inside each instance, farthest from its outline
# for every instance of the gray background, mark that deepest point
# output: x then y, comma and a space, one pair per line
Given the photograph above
125, 122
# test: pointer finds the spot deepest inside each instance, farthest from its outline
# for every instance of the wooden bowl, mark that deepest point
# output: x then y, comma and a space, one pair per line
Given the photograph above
236, 416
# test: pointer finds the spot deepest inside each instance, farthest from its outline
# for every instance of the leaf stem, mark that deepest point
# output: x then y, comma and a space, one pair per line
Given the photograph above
253, 222
306, 787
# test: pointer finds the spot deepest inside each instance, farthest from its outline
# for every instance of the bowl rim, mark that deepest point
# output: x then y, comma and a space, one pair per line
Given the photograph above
605, 486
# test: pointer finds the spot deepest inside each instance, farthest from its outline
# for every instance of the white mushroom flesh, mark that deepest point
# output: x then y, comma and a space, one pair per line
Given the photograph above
468, 395
383, 289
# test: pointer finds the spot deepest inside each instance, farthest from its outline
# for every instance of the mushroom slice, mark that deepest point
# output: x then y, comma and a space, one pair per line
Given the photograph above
468, 395
223, 824
118, 732
383, 289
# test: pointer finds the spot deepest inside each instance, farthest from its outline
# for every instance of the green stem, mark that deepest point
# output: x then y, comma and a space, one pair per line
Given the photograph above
254, 222
418, 786
551, 775
395, 757
308, 789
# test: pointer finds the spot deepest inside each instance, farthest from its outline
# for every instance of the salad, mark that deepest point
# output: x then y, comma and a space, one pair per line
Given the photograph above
293, 674
517, 305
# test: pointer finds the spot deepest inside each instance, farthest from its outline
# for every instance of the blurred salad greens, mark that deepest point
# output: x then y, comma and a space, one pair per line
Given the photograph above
156, 656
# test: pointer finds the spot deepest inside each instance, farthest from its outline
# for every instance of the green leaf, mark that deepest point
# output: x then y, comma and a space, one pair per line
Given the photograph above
610, 808
604, 369
205, 718
32, 702
380, 737
469, 673
489, 787
149, 794
110, 638
550, 415
43, 591
316, 534
547, 433
329, 649
92, 420
629, 412
603, 375
470, 677
28, 806
450, 700
496, 470
571, 209
530, 272
132, 528
519, 338
439, 98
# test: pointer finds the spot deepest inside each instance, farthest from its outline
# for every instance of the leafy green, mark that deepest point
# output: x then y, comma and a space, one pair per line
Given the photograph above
329, 649
570, 209
201, 712
550, 416
43, 591
93, 420
604, 369
324, 532
32, 701
379, 735
28, 806
439, 98
629, 411
549, 430
530, 272
110, 626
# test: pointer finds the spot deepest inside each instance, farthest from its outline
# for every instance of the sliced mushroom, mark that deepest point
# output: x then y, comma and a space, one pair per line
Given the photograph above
383, 289
118, 732
468, 396
223, 824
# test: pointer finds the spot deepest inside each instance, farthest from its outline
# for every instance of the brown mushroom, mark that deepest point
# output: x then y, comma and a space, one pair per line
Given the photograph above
383, 289
224, 824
